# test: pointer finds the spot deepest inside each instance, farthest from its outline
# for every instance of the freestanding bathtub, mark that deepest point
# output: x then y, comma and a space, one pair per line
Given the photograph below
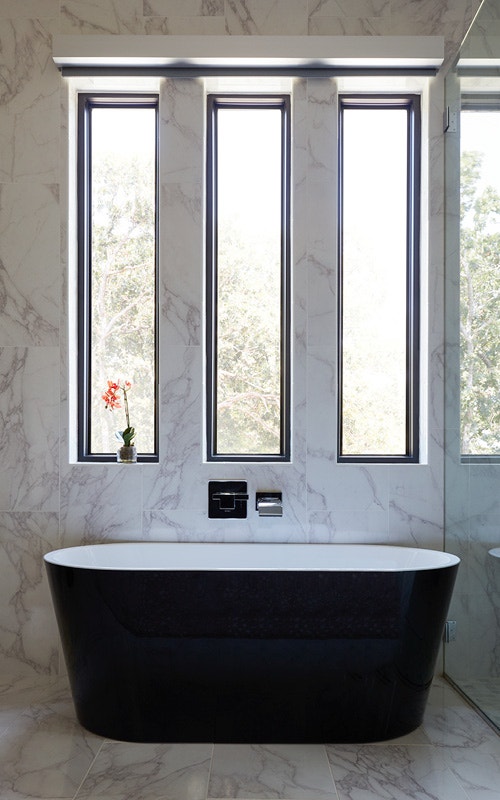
250, 642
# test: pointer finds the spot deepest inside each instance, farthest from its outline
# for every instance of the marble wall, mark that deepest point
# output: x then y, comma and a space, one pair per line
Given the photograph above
46, 501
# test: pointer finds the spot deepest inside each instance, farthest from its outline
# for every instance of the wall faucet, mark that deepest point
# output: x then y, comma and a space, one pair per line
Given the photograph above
269, 504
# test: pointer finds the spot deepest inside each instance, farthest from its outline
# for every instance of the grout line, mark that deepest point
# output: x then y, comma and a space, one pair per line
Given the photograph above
337, 796
209, 774
75, 796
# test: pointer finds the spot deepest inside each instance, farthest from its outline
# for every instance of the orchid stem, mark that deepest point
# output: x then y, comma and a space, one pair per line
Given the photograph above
125, 400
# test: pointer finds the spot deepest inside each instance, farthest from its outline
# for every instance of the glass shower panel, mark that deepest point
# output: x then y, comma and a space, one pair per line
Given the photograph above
472, 465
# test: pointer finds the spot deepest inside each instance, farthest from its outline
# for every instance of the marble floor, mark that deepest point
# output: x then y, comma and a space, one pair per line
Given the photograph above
485, 693
44, 753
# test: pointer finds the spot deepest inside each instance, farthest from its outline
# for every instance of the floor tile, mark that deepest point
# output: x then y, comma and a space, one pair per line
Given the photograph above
392, 772
128, 771
16, 694
485, 693
458, 725
477, 772
45, 754
294, 772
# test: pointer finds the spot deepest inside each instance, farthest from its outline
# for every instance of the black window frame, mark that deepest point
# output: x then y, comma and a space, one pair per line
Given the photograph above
86, 102
412, 104
214, 102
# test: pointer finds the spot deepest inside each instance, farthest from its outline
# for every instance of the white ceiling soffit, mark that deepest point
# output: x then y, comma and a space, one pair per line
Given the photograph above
311, 52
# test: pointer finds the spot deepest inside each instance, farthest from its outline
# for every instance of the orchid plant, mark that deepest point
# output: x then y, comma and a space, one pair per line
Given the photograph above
112, 401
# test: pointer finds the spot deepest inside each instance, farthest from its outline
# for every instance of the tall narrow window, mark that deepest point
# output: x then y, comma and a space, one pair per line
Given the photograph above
248, 278
117, 272
480, 276
378, 311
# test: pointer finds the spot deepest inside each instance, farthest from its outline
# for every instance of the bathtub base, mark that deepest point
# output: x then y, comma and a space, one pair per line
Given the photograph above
317, 704
250, 657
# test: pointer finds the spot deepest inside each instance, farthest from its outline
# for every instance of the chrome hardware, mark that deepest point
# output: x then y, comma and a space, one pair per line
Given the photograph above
269, 504
450, 631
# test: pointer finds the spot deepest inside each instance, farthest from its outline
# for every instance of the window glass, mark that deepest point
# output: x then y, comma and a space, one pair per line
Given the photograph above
480, 279
118, 274
377, 280
248, 254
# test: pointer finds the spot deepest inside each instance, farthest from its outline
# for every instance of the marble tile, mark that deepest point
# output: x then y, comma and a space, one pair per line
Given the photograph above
477, 773
347, 26
437, 10
454, 725
185, 26
182, 120
402, 772
485, 694
322, 273
175, 482
181, 242
347, 486
321, 411
28, 633
182, 8
322, 108
105, 16
100, 503
485, 489
275, 17
416, 504
348, 526
148, 772
350, 8
30, 9
46, 754
29, 95
18, 691
29, 438
29, 274
295, 772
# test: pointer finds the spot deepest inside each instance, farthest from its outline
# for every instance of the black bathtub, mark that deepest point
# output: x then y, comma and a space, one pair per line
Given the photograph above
250, 642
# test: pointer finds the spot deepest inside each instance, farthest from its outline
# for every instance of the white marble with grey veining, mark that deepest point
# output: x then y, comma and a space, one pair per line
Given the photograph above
181, 8
148, 772
100, 503
29, 274
28, 635
402, 772
102, 17
44, 753
29, 96
297, 772
323, 501
276, 17
29, 429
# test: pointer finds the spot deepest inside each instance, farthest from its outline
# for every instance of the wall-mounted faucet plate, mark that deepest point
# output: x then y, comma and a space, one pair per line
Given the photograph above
227, 499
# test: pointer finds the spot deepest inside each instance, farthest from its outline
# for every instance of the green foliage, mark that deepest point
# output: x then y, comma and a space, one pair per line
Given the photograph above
249, 394
479, 311
123, 302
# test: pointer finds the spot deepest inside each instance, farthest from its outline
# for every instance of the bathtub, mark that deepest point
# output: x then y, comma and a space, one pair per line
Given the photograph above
171, 642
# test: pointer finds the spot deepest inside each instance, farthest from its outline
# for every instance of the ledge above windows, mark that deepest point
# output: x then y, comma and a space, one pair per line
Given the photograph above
206, 54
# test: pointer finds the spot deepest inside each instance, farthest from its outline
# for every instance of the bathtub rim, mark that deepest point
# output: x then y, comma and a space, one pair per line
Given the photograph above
249, 556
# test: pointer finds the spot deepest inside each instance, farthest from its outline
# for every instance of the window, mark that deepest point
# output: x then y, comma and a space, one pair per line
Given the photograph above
117, 219
480, 276
378, 283
248, 278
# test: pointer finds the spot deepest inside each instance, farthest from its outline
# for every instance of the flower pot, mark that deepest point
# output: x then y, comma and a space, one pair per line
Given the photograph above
127, 454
